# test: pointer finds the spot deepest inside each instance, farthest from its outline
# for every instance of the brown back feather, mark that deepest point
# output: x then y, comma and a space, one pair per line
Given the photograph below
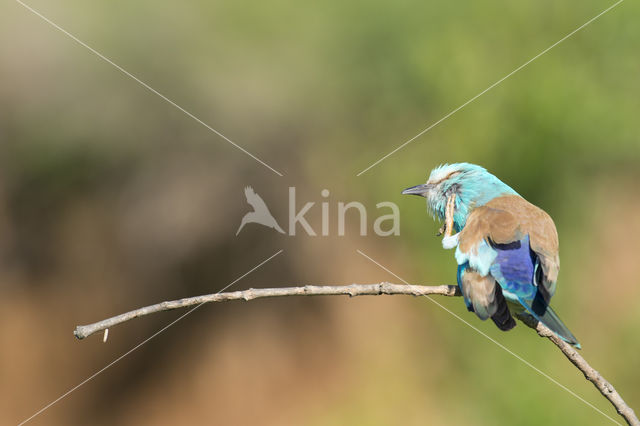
509, 218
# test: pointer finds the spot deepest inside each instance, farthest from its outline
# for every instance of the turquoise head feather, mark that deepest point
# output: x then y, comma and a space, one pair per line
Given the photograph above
473, 185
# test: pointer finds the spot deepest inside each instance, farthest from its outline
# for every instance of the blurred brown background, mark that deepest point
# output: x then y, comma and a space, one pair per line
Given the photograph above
111, 199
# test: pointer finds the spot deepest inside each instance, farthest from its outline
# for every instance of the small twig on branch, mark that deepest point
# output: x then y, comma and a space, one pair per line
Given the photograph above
605, 388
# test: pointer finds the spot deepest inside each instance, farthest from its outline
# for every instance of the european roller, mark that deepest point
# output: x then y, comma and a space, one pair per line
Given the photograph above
506, 248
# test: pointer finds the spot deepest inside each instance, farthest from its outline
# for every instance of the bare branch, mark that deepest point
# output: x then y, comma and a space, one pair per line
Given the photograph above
605, 388
591, 374
83, 331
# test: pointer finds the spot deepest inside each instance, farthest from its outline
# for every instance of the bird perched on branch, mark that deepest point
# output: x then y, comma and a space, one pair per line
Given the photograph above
506, 248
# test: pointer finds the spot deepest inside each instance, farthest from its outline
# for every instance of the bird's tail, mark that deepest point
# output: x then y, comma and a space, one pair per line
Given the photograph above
547, 316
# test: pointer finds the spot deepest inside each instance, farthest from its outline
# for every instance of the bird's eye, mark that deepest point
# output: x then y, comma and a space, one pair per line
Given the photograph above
452, 189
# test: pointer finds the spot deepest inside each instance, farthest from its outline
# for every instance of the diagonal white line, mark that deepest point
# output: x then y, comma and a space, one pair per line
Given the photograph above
142, 343
499, 344
491, 87
145, 85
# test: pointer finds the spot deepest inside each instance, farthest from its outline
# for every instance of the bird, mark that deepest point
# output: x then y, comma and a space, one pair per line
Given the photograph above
506, 248
260, 213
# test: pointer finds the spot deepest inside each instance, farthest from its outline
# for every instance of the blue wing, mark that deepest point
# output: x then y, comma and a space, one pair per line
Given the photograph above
461, 269
516, 268
512, 265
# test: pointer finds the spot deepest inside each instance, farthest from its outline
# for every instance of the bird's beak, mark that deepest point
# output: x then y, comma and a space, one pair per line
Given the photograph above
418, 190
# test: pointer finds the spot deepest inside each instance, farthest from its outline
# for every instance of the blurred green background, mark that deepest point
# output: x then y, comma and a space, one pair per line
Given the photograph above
111, 199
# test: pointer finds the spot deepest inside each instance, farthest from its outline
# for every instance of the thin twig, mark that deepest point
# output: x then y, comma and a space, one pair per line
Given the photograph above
590, 373
83, 331
605, 388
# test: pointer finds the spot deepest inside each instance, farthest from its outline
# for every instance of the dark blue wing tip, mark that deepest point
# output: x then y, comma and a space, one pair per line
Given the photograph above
573, 343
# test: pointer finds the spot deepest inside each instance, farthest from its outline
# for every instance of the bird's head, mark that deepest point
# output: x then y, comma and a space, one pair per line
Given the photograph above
473, 186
